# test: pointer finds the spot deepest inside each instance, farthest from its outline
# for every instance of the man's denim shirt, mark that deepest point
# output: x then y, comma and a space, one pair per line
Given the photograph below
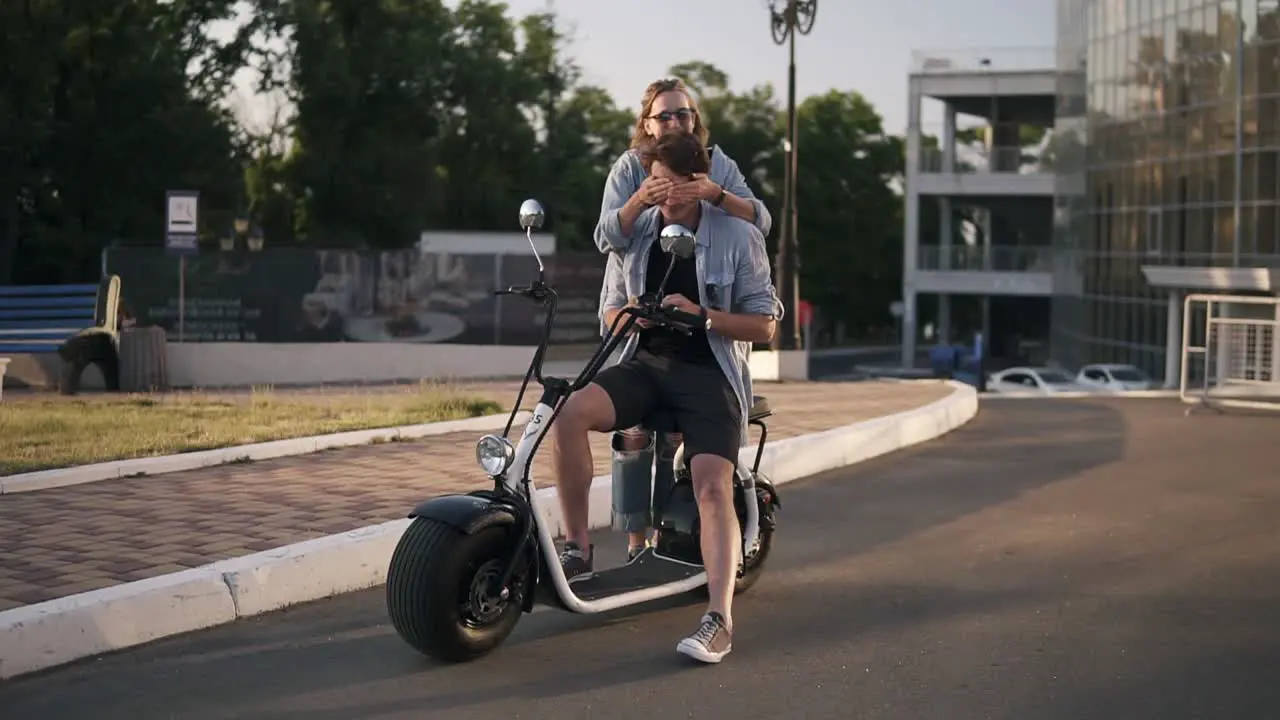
733, 276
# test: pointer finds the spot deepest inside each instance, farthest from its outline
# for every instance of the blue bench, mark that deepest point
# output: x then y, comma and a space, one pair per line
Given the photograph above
42, 318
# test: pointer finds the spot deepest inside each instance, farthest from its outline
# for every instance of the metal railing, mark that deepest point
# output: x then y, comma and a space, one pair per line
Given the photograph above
1012, 160
1230, 351
976, 60
975, 258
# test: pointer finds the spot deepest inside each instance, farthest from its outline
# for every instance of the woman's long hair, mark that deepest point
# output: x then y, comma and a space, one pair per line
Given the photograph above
656, 88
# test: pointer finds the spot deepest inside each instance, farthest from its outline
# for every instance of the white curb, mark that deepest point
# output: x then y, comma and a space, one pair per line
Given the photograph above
59, 631
45, 479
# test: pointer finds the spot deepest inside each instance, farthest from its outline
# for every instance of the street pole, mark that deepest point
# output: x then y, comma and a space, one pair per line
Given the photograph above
1239, 143
795, 17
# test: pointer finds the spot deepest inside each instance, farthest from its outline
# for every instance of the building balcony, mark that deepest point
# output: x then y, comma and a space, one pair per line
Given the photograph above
975, 270
972, 77
967, 61
989, 171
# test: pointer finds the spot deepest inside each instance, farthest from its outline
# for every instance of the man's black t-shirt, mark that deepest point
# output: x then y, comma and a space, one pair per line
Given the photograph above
663, 341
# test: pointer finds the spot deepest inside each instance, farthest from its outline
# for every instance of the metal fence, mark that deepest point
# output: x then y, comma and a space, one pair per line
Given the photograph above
288, 295
1231, 351
978, 258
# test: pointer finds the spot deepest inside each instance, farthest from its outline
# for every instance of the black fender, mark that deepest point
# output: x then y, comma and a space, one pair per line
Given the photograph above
768, 494
469, 513
473, 512
764, 483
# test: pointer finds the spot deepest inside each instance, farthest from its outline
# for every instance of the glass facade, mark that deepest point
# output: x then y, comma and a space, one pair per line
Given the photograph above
1167, 151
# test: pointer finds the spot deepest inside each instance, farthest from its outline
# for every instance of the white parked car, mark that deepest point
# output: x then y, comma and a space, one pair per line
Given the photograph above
1042, 380
1114, 377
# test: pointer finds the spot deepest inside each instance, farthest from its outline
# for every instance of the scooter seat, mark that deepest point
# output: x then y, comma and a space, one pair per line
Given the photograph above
759, 408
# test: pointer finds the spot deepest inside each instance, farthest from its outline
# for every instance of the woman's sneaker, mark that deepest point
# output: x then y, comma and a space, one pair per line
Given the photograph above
574, 562
710, 642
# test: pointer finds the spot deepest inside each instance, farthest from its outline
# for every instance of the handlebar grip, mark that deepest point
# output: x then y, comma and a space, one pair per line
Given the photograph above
682, 317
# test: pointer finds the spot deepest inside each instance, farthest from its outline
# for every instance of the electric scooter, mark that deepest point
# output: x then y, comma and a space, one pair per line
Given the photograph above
470, 565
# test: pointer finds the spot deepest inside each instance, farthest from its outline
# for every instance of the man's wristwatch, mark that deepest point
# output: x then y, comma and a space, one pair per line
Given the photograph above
719, 198
706, 319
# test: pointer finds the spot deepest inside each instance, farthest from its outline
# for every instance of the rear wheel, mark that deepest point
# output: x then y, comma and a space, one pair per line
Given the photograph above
754, 560
438, 594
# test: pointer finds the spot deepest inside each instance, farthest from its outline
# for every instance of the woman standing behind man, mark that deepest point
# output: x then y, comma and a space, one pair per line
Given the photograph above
629, 190
666, 105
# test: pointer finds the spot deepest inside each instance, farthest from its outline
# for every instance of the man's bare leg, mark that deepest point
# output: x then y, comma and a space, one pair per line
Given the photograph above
713, 487
721, 536
589, 409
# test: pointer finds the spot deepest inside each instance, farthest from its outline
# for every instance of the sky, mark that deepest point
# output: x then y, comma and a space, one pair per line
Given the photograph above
862, 45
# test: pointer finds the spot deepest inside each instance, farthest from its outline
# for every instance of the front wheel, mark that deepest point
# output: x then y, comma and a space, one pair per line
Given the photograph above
438, 594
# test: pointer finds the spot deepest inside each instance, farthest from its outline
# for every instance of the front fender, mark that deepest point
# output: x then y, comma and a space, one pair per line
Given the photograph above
469, 513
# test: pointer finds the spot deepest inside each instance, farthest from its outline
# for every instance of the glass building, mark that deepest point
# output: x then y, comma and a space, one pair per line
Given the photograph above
1167, 155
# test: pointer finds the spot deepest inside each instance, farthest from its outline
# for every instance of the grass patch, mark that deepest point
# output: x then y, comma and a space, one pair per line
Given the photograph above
44, 432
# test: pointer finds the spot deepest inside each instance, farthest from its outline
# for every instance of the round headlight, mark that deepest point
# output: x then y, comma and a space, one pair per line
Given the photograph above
494, 454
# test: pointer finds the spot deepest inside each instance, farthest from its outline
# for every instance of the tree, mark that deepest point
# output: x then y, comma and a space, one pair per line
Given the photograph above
850, 219
408, 115
103, 108
370, 80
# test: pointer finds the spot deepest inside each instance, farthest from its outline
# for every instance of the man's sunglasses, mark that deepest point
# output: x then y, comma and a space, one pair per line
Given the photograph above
668, 115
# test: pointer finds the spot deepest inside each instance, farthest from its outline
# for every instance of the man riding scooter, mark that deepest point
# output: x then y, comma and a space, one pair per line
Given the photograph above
700, 379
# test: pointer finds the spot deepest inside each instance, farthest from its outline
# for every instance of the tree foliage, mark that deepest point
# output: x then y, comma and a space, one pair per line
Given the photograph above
406, 115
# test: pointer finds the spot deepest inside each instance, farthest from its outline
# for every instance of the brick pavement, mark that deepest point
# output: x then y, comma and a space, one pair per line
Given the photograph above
62, 541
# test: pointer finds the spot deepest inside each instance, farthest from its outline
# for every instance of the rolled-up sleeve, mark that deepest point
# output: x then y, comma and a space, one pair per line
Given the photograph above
613, 292
756, 295
735, 182
621, 184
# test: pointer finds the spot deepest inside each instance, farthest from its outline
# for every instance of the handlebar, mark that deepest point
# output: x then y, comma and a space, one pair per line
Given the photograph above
666, 316
648, 309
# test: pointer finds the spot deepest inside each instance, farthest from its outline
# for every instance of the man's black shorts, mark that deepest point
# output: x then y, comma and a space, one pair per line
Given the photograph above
699, 398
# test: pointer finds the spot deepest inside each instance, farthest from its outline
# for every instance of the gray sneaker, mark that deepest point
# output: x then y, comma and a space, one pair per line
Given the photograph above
574, 562
710, 642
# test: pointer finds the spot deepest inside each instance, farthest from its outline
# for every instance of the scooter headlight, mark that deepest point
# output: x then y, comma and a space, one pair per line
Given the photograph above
494, 454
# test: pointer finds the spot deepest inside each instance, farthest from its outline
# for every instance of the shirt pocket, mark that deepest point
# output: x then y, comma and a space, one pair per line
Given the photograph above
719, 290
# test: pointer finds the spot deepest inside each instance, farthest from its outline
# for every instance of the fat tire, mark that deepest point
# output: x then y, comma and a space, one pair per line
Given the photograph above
756, 569
432, 566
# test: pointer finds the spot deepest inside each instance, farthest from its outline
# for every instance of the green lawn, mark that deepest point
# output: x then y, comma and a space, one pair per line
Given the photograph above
49, 431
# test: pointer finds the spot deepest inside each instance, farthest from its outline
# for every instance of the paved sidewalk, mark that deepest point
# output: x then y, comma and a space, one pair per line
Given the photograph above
66, 540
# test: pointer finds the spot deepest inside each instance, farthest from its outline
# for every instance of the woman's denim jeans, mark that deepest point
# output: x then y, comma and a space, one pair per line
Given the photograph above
639, 484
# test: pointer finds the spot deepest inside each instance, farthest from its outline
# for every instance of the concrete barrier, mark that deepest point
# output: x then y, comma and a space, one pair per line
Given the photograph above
60, 631
215, 364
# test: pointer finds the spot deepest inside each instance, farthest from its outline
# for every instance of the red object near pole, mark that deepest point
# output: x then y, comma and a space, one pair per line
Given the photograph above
805, 313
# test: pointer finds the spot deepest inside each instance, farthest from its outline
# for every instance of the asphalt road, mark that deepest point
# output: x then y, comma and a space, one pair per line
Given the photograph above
1052, 559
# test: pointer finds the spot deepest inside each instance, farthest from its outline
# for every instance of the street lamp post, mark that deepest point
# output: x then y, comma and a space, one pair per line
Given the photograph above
787, 18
